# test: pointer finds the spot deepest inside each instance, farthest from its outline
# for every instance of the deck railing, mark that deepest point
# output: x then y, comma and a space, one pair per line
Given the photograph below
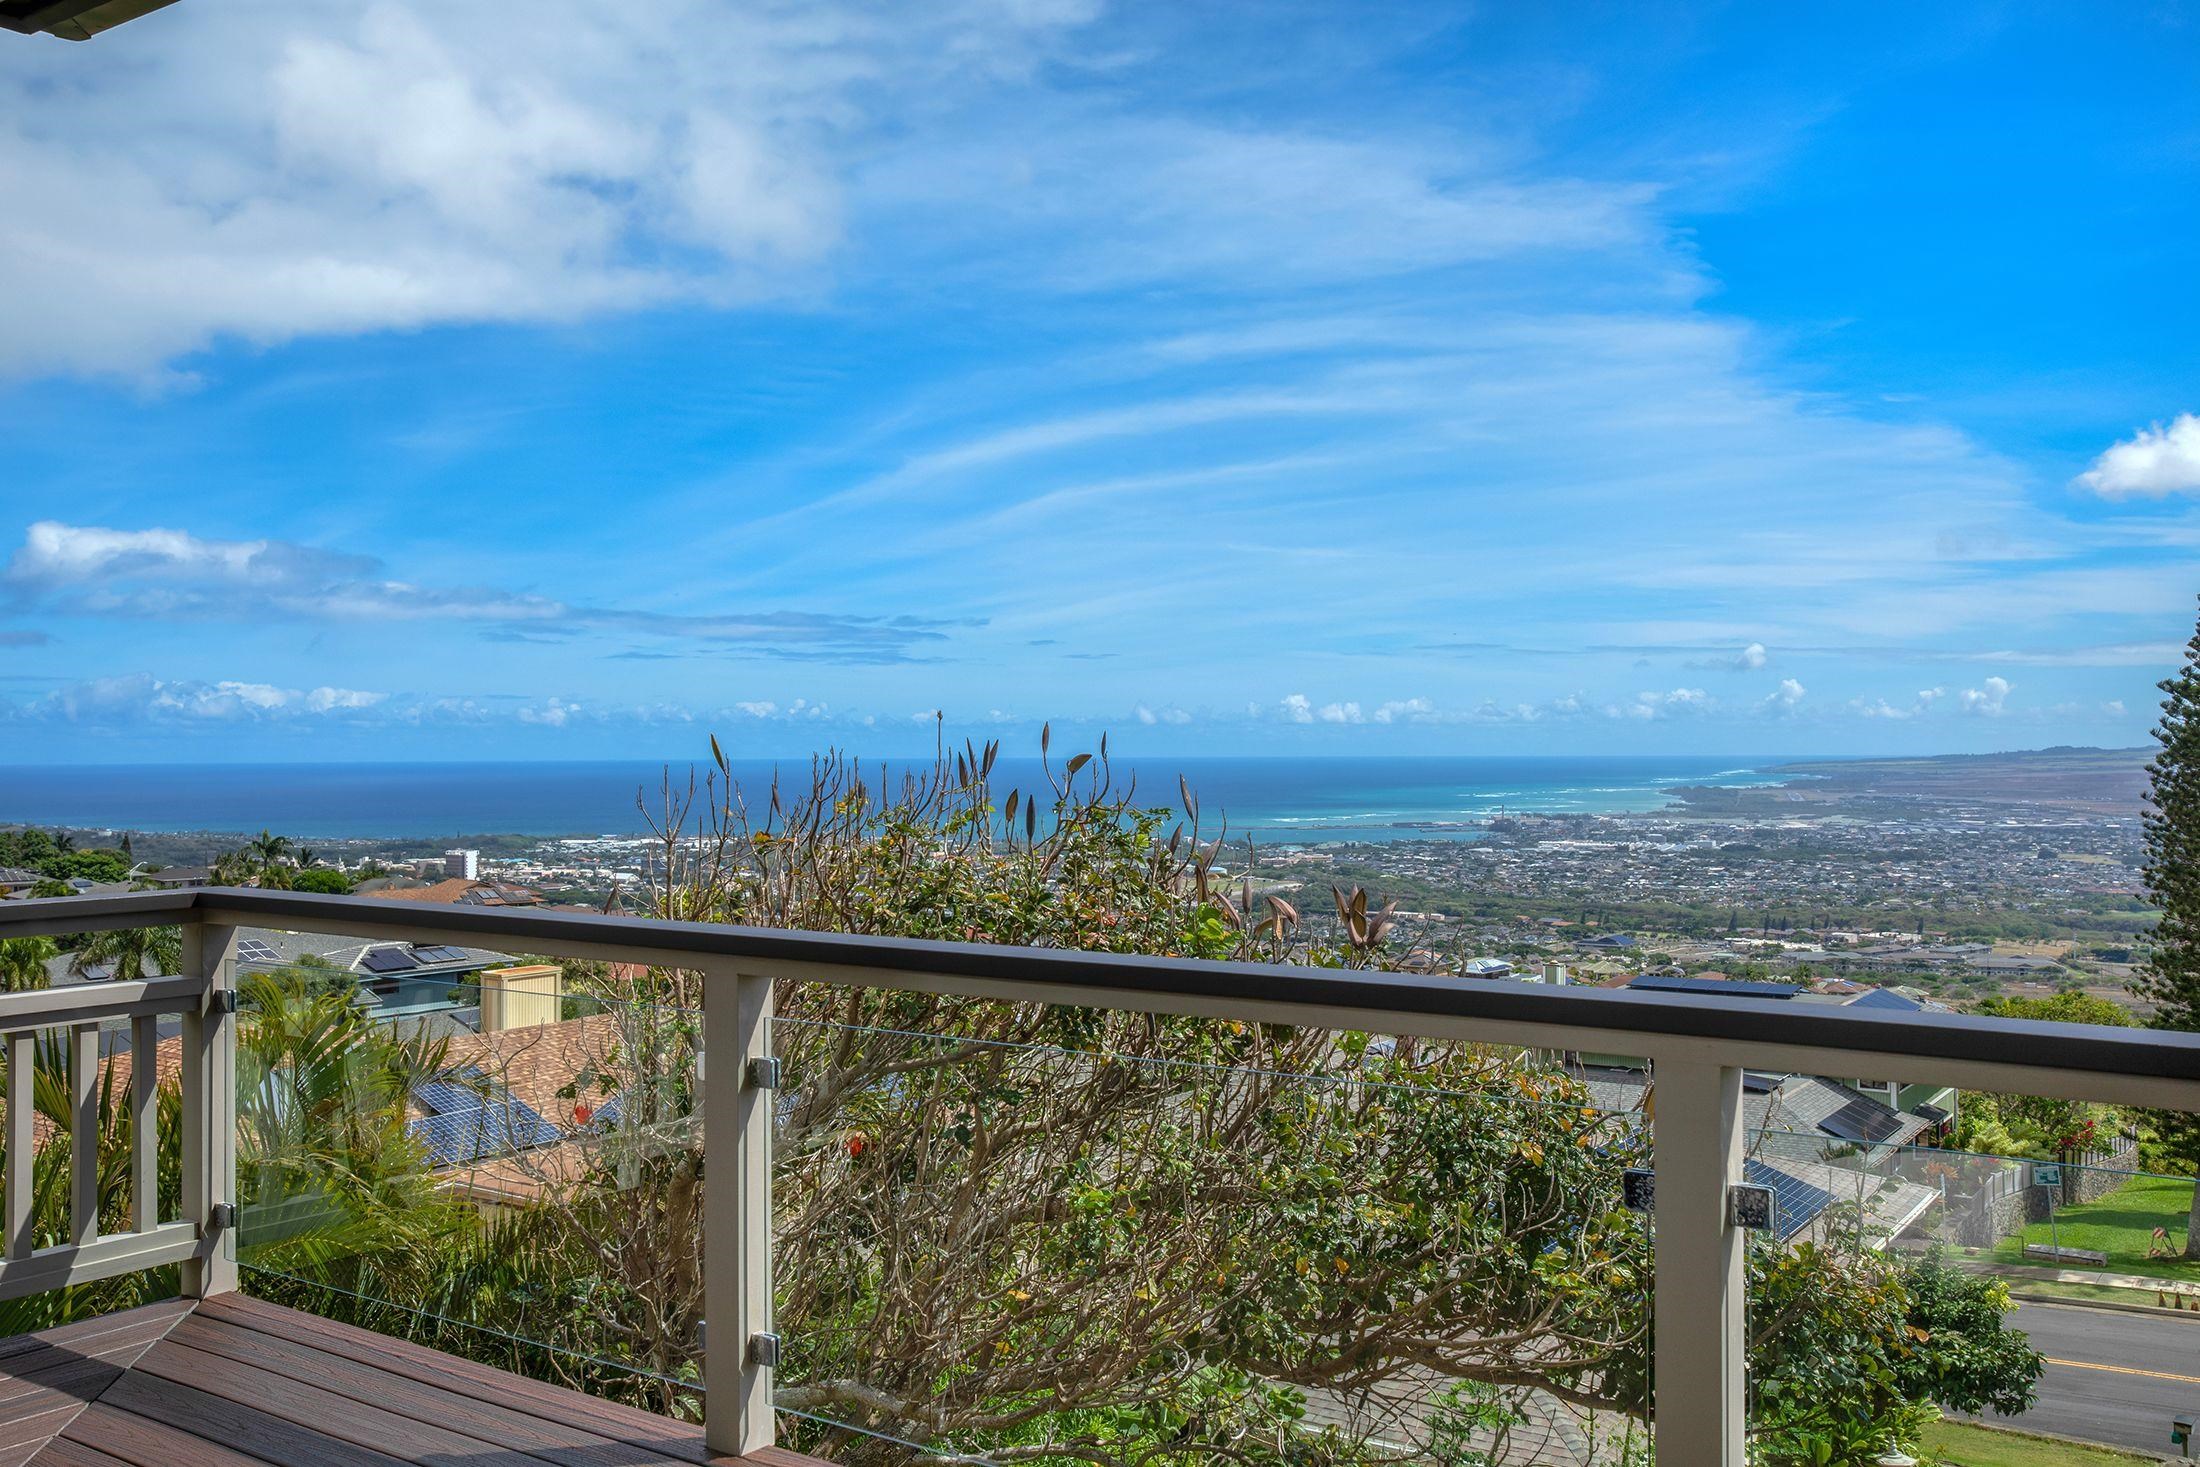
1699, 1046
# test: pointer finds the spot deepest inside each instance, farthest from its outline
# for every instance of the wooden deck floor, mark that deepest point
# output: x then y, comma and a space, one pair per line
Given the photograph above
232, 1382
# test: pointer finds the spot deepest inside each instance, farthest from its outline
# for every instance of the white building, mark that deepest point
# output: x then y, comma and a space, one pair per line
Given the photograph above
462, 863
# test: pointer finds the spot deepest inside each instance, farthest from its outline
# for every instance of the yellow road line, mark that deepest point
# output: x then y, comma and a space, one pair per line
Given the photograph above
2124, 1370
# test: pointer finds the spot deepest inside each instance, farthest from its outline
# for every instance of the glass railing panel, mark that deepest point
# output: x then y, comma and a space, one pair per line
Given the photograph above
1938, 1265
1024, 1234
505, 1165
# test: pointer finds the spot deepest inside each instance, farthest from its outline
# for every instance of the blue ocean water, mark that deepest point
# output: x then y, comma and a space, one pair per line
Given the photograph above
1271, 799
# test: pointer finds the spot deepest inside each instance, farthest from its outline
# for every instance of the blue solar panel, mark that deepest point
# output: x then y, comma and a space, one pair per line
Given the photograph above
484, 1132
1799, 1201
607, 1115
439, 954
1863, 1120
1885, 998
1720, 987
388, 960
446, 1096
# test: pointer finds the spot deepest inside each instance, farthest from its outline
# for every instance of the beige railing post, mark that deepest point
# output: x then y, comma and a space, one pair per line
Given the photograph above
1698, 1325
739, 1082
209, 1143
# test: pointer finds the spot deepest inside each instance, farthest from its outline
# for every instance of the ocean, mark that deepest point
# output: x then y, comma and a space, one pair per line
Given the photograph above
1271, 799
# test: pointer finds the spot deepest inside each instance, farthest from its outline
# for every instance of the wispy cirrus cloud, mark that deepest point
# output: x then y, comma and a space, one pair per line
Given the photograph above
174, 575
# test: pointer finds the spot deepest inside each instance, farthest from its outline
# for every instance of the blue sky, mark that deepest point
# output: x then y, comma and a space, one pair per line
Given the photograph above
379, 382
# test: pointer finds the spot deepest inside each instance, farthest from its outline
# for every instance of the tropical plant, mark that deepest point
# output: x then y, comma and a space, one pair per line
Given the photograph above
23, 962
130, 952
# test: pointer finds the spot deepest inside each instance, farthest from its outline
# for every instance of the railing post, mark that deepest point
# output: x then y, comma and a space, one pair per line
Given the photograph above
737, 1214
1698, 1327
209, 1142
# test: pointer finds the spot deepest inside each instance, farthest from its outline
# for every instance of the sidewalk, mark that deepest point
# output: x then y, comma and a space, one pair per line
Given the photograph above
2079, 1276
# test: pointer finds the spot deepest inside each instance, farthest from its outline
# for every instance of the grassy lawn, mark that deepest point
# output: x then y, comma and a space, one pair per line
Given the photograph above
2120, 1225
1958, 1444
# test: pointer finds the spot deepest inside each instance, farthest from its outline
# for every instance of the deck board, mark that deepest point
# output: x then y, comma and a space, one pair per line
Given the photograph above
234, 1382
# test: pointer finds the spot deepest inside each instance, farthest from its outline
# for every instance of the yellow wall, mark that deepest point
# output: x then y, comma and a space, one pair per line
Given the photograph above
520, 997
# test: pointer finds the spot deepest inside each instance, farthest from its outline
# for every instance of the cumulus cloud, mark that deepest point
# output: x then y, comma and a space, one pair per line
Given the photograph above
1405, 710
1783, 699
1658, 705
1915, 708
1751, 658
1987, 701
1297, 708
1170, 715
141, 698
2153, 463
1341, 713
175, 575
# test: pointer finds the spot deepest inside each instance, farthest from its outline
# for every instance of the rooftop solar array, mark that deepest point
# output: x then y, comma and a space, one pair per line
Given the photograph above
481, 1133
1863, 1120
1798, 1201
1756, 1082
439, 954
475, 1119
252, 950
1885, 998
1720, 987
388, 960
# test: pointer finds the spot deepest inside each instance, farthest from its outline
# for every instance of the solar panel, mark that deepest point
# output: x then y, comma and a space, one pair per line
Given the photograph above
445, 1097
1885, 998
1722, 987
252, 950
1863, 1120
388, 960
481, 1132
1798, 1201
1757, 1083
439, 954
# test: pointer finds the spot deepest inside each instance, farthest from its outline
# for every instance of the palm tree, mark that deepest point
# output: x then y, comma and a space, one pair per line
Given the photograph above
268, 849
23, 963
329, 1172
128, 953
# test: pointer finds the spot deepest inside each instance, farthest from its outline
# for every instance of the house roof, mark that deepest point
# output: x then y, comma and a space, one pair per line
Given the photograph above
463, 891
72, 20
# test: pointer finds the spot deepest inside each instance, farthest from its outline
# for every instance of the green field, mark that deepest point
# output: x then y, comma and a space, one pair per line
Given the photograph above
1957, 1444
2121, 1225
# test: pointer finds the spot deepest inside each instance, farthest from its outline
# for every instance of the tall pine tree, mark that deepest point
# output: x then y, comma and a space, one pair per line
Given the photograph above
2170, 980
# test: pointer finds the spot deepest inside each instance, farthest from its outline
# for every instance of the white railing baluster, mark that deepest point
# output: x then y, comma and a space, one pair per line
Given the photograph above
84, 1132
737, 1214
144, 1122
22, 1142
1698, 1320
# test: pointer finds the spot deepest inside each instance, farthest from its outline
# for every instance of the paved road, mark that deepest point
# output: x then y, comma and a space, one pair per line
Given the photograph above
2112, 1377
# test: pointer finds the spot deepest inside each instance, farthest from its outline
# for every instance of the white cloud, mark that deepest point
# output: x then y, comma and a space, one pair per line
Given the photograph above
2152, 463
1297, 708
1404, 710
1341, 713
1679, 700
264, 174
1169, 715
1987, 701
1751, 658
174, 575
1784, 698
141, 698
2114, 708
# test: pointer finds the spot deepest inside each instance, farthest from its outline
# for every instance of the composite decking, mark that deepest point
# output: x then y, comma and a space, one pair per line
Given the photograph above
233, 1382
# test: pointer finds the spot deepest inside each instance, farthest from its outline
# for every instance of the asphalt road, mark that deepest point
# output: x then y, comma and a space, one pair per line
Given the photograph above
2112, 1377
